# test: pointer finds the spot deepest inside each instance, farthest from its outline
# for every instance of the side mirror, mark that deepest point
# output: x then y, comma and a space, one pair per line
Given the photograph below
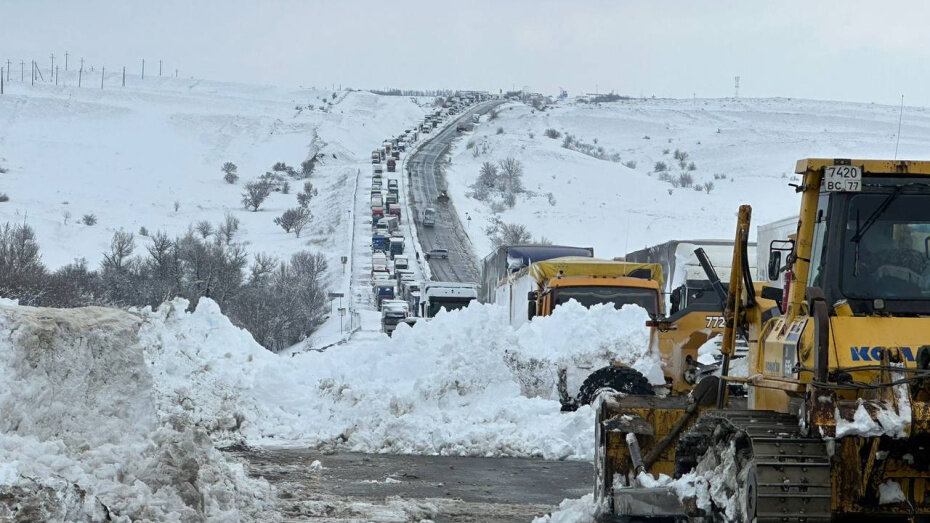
532, 296
776, 247
774, 265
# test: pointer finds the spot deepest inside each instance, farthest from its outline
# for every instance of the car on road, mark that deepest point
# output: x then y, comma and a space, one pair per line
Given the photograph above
437, 253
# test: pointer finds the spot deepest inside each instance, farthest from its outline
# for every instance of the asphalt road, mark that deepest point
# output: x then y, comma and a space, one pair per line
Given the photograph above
426, 178
388, 487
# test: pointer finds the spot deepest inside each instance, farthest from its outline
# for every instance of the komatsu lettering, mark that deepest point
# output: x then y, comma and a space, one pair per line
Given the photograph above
875, 353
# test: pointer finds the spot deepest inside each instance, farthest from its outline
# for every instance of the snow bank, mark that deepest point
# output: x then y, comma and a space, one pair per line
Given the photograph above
447, 386
581, 510
80, 437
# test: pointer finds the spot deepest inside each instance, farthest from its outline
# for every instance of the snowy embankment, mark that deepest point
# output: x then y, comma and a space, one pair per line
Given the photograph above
613, 199
84, 435
464, 383
112, 414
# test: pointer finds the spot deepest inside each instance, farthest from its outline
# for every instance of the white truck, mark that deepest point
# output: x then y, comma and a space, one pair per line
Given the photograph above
773, 240
438, 295
392, 313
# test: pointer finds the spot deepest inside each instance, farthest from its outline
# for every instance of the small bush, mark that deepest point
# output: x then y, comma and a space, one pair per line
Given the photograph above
231, 178
681, 156
631, 164
660, 167
685, 180
551, 198
470, 144
500, 130
665, 151
692, 167
553, 133
3, 170
699, 188
177, 206
229, 168
143, 231
204, 229
4, 197
493, 115
89, 219
708, 186
279, 167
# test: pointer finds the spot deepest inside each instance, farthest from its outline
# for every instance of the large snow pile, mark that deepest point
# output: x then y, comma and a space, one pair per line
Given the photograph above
80, 436
447, 386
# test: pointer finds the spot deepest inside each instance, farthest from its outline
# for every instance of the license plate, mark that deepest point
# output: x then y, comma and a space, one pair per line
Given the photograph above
842, 178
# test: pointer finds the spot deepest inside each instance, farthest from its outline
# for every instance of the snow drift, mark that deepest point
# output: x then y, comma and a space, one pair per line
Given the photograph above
458, 384
81, 438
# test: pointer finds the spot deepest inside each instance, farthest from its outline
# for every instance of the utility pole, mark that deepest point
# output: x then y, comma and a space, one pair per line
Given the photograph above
143, 68
175, 73
103, 71
51, 69
33, 72
124, 76
56, 76
736, 93
22, 70
81, 73
7, 69
1, 80
66, 61
159, 68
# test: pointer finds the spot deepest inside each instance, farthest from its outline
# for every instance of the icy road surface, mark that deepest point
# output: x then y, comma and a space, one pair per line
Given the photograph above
388, 487
427, 177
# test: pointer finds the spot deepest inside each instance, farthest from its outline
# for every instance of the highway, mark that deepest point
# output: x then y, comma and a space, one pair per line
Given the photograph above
426, 178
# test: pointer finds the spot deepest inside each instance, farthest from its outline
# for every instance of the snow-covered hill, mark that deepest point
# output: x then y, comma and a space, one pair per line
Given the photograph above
746, 148
149, 155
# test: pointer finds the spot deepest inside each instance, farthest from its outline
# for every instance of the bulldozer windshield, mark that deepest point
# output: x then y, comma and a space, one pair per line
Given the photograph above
886, 246
618, 296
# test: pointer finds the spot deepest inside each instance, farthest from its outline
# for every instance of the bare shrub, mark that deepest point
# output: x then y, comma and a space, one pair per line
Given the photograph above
89, 219
255, 194
294, 220
660, 167
230, 173
500, 130
708, 186
553, 133
685, 180
630, 164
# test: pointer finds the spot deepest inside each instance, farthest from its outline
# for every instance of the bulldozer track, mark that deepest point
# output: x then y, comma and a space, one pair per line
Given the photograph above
790, 476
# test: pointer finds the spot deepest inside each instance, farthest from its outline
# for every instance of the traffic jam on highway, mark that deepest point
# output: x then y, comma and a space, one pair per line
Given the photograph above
398, 294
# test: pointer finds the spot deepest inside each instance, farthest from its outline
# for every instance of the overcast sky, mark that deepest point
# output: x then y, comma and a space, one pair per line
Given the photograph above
842, 50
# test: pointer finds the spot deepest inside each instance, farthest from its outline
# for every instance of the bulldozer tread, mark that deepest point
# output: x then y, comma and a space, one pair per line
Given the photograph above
790, 479
619, 378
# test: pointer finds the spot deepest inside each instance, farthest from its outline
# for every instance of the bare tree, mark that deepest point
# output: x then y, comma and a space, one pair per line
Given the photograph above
228, 229
294, 220
255, 194
204, 229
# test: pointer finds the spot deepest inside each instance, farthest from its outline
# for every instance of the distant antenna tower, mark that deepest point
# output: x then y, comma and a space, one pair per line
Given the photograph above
736, 86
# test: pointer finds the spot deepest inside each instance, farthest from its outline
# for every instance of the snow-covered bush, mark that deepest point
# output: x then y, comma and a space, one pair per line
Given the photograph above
255, 194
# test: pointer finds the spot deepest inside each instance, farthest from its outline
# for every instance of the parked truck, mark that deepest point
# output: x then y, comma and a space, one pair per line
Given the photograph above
391, 165
397, 247
538, 289
393, 312
507, 260
438, 295
384, 290
380, 242
685, 279
394, 210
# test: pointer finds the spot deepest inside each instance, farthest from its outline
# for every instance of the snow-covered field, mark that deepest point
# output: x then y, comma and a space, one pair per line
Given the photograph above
751, 145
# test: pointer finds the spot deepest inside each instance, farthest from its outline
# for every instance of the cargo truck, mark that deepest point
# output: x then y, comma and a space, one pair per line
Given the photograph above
685, 279
397, 246
384, 290
507, 260
391, 165
438, 295
392, 312
394, 210
538, 289
380, 242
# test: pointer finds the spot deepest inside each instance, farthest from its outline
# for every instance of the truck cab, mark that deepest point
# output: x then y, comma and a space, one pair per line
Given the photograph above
593, 290
446, 295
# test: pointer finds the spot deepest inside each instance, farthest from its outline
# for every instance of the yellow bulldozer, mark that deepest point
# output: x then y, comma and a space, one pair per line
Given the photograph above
835, 425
